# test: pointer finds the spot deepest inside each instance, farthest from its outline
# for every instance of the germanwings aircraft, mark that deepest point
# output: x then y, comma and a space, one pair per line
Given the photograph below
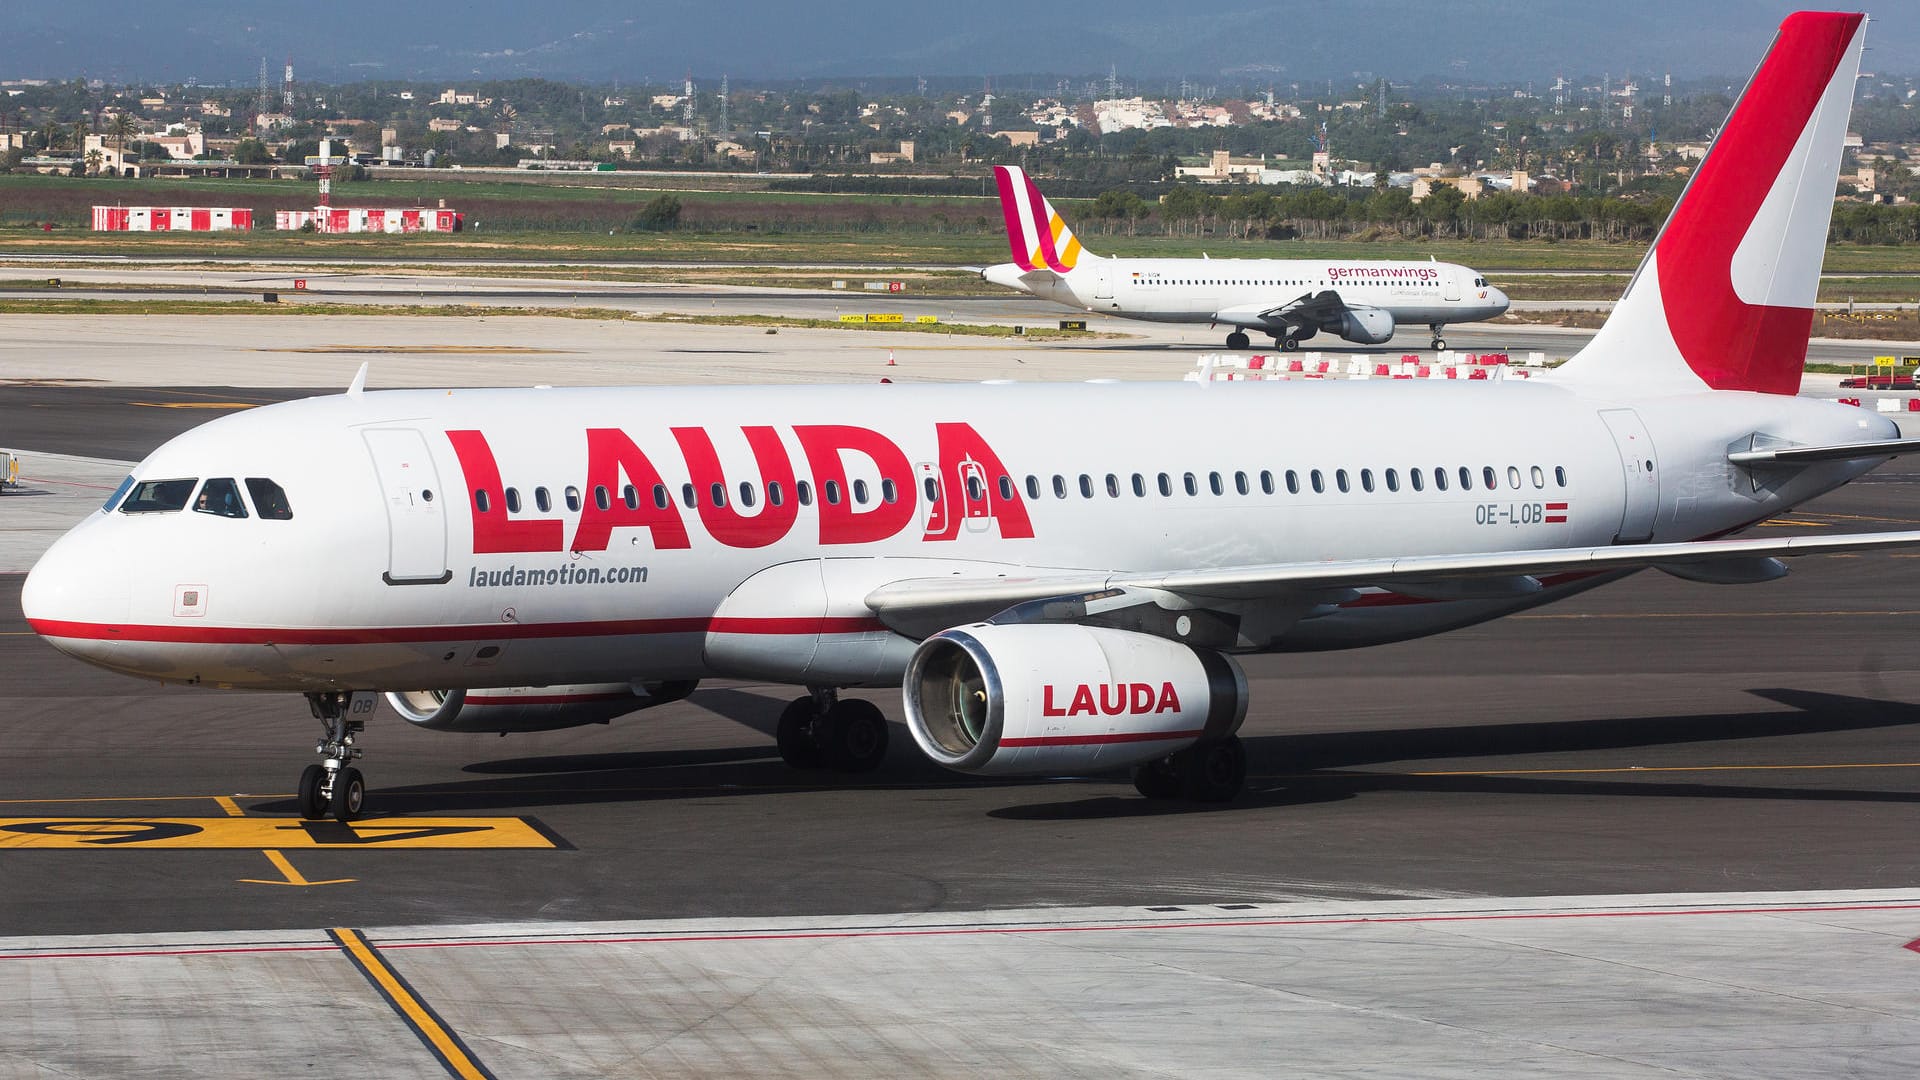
1058, 577
1290, 300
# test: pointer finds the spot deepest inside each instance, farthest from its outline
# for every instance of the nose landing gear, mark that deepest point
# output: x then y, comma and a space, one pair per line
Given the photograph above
333, 787
1438, 341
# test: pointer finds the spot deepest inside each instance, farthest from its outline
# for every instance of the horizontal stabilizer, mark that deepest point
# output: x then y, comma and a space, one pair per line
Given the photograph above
1807, 455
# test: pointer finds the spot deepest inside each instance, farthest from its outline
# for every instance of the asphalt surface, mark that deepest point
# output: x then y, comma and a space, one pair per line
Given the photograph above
1651, 736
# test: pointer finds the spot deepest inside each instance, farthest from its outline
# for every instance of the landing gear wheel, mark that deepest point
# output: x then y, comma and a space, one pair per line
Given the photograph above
795, 735
1157, 779
1212, 772
853, 736
1237, 341
1289, 343
349, 792
1439, 343
313, 801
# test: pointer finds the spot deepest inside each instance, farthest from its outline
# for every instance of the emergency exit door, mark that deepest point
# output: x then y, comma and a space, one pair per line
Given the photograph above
416, 507
1639, 471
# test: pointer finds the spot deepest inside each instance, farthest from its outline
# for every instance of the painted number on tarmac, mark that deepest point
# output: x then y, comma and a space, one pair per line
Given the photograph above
108, 834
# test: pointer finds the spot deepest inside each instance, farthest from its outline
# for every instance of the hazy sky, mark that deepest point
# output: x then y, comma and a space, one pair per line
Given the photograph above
217, 41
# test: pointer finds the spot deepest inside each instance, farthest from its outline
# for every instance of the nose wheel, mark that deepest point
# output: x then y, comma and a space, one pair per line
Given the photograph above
1438, 341
332, 787
820, 731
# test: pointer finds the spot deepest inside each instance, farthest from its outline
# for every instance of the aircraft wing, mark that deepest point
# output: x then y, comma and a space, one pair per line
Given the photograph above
1308, 309
1807, 455
911, 605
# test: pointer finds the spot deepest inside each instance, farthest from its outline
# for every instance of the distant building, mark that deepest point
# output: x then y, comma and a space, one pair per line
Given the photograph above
884, 157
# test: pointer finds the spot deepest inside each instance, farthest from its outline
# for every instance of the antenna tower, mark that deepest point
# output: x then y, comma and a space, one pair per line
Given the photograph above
686, 101
286, 89
264, 103
723, 104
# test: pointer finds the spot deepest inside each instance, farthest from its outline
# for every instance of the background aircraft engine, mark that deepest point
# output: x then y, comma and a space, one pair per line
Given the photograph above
1023, 700
530, 708
1366, 326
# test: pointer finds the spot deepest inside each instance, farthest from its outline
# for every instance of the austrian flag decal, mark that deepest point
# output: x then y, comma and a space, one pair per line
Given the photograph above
1556, 513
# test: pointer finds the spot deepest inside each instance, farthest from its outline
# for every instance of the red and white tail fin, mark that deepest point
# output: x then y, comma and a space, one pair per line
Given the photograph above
1036, 233
1725, 296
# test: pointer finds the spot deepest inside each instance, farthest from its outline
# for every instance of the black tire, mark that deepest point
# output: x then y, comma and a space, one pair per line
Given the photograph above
1238, 340
795, 735
1289, 344
1213, 772
1157, 779
313, 805
349, 794
1439, 343
854, 736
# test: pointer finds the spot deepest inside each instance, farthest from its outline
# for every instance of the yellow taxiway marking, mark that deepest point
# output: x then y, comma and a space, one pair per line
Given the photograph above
293, 877
1665, 769
193, 404
107, 834
440, 1039
227, 804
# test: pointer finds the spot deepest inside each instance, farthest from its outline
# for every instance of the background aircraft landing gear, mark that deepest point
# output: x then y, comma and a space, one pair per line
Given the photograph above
1211, 772
822, 731
333, 787
1288, 343
1438, 342
1238, 340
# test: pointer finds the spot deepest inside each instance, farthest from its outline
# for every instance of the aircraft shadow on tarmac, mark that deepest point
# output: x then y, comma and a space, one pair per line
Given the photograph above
1284, 769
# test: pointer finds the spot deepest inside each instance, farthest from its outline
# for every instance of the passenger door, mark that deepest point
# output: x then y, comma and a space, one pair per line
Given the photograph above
1639, 471
416, 507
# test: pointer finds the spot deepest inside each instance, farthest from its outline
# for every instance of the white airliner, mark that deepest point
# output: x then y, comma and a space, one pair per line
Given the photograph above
1058, 576
1291, 300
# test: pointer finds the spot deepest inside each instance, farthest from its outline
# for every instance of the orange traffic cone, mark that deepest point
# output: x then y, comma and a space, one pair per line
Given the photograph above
890, 362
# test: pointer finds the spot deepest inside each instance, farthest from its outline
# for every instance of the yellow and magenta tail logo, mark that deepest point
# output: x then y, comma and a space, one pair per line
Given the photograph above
1036, 233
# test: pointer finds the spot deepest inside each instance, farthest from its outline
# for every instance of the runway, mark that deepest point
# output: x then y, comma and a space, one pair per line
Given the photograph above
1652, 738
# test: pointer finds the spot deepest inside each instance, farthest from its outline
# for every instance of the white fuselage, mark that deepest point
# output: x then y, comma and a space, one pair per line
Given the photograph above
1240, 292
382, 579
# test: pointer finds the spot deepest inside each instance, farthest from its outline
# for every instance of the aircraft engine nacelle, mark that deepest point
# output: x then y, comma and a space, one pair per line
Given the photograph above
1025, 700
530, 708
1366, 326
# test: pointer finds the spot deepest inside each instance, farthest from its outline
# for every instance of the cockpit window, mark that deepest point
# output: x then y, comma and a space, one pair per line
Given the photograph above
118, 493
159, 496
220, 496
269, 499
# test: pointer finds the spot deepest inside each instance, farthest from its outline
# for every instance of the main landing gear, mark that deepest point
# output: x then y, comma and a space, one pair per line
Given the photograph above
1238, 340
1438, 341
1209, 772
820, 731
1287, 342
333, 787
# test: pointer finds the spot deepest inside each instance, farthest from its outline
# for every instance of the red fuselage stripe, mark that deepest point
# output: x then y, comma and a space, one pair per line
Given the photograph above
386, 635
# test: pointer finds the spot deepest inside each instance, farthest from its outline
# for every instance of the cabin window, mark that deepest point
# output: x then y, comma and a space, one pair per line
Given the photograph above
889, 491
542, 501
600, 498
1240, 483
776, 495
1466, 478
1086, 486
1492, 478
1559, 476
746, 494
481, 501
932, 489
513, 500
573, 499
1392, 478
830, 491
220, 497
860, 492
686, 495
976, 489
1193, 485
1440, 479
1340, 479
1366, 480
630, 496
1513, 476
1166, 485
1413, 477
1319, 482
803, 491
1266, 481
161, 497
1006, 488
1214, 483
660, 498
1033, 486
270, 501
1113, 486
1139, 486
1539, 477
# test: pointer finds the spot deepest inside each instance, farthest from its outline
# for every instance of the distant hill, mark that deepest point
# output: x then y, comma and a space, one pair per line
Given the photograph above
217, 41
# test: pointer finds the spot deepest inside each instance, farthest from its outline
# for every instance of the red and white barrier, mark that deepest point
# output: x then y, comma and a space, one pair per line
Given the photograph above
172, 219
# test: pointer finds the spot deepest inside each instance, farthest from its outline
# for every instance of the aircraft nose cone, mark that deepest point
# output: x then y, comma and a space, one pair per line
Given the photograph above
1499, 300
74, 588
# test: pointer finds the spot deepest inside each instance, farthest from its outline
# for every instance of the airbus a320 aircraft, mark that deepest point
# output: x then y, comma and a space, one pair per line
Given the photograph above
1057, 576
1291, 300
